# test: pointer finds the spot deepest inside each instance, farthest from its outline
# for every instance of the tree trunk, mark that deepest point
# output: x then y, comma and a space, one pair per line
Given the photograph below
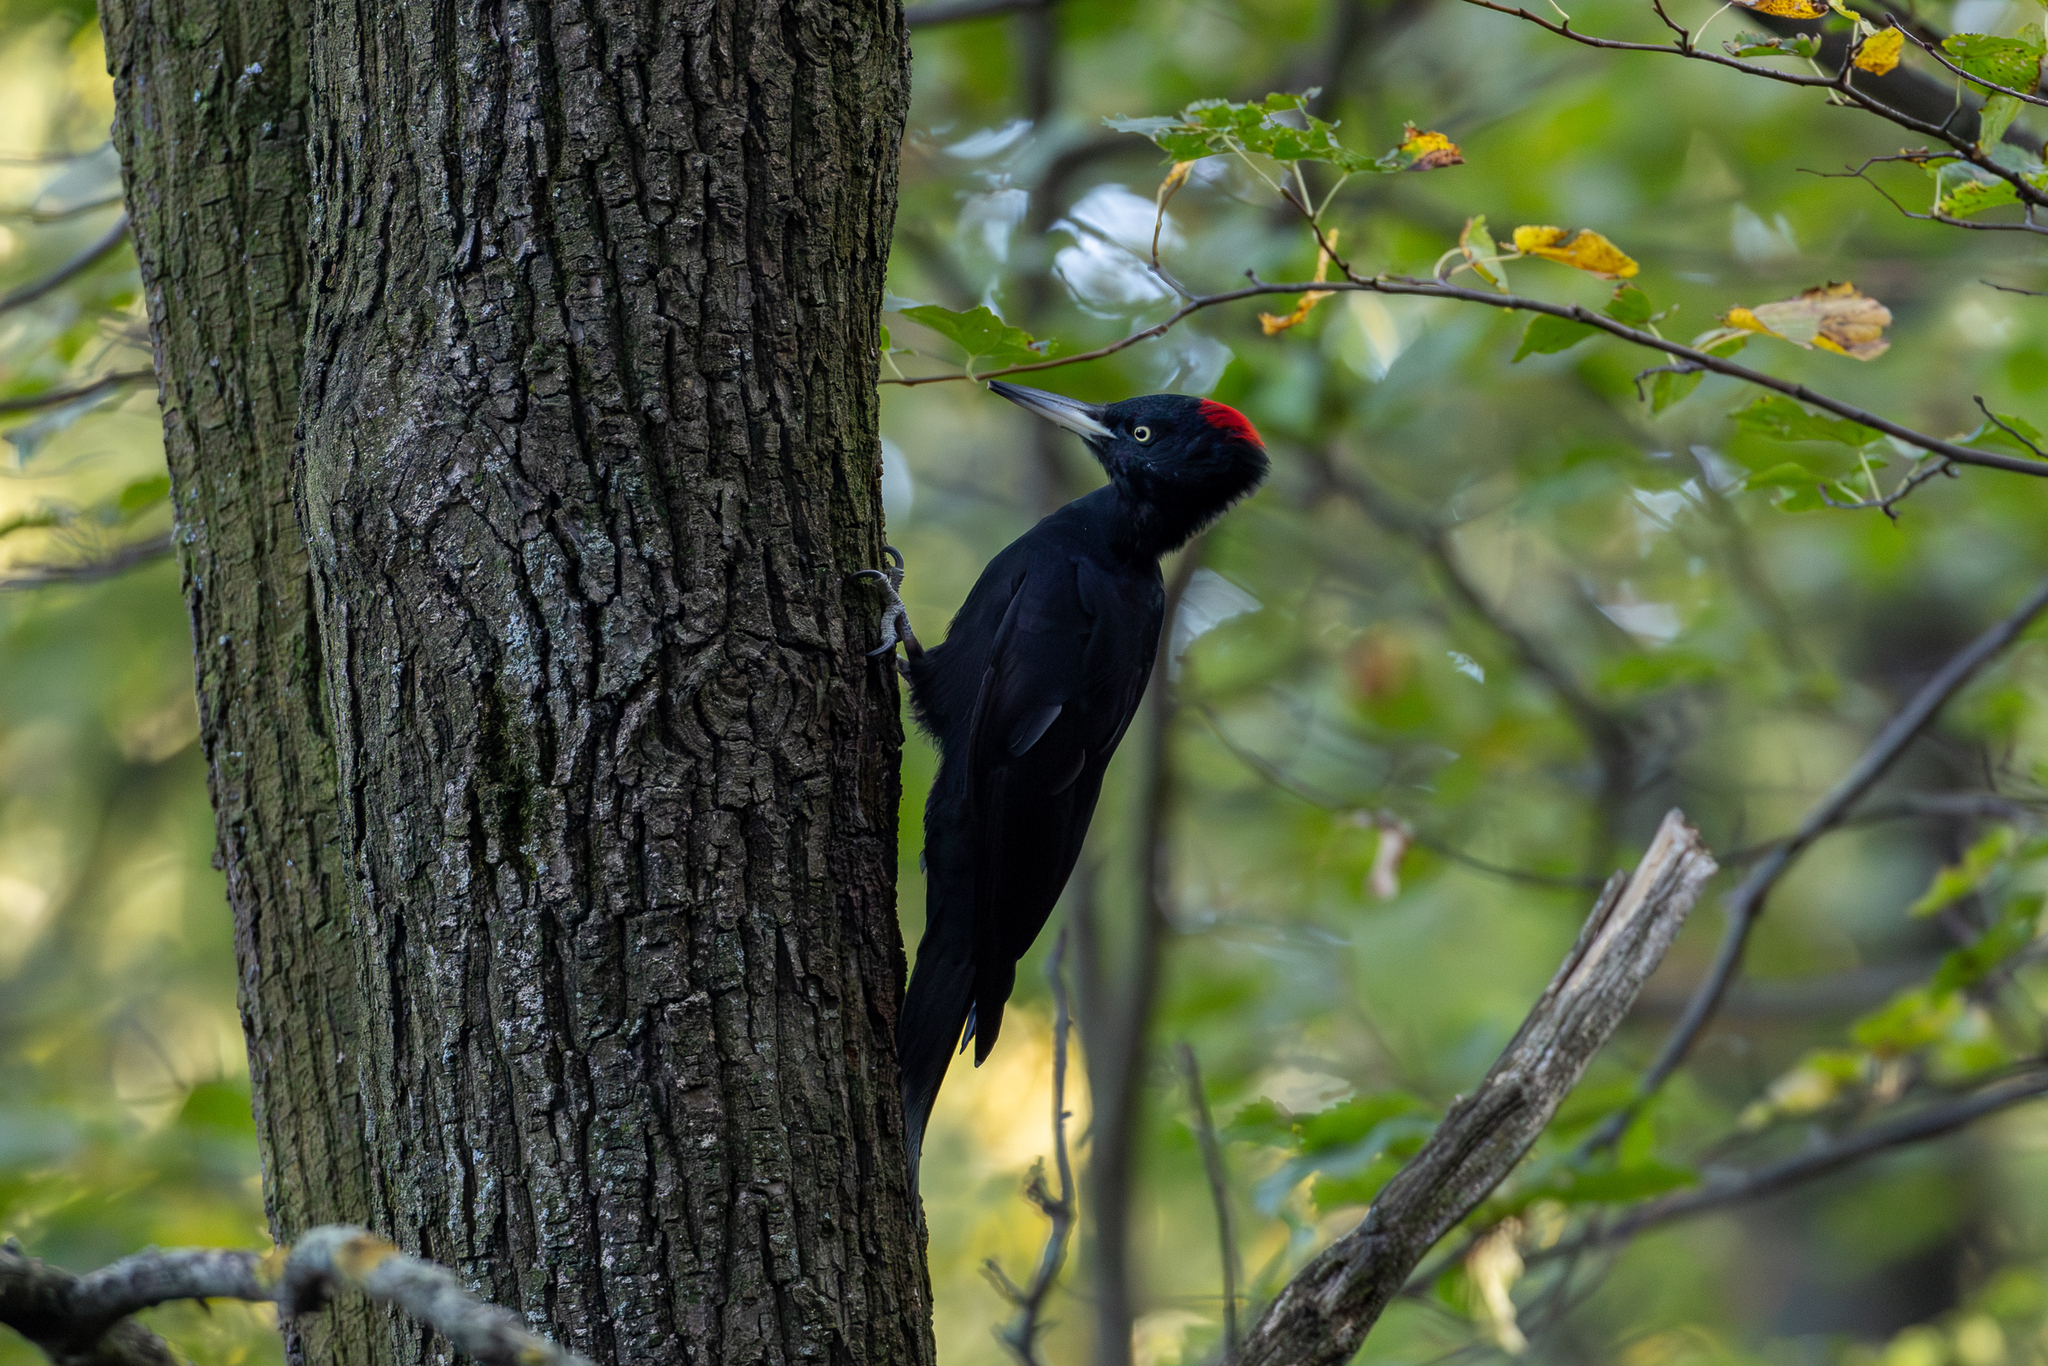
210, 123
599, 1011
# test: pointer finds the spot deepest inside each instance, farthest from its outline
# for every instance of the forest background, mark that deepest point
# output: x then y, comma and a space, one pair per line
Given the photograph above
1488, 621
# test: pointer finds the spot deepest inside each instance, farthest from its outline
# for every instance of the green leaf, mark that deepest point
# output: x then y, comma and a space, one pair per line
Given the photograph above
1973, 194
1638, 1181
2014, 63
1958, 880
1668, 387
1785, 476
1349, 1121
1747, 44
1780, 419
1973, 962
1808, 499
1915, 1018
885, 346
980, 333
1999, 112
1629, 305
1548, 334
144, 494
1278, 126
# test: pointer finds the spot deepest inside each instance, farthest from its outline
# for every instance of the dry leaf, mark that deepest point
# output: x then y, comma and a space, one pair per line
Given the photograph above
1274, 322
1384, 882
1835, 317
1583, 250
1880, 51
1175, 178
1494, 1266
1421, 151
1787, 9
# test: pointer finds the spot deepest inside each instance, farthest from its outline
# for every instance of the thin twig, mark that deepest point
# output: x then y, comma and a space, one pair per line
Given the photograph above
30, 214
1605, 734
936, 12
1746, 902
1935, 52
1840, 86
2007, 427
57, 398
1219, 1193
1429, 289
1721, 1192
1314, 796
85, 259
1322, 1315
1021, 1333
85, 1320
105, 566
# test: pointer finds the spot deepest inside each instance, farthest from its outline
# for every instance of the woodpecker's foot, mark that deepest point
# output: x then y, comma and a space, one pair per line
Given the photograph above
895, 619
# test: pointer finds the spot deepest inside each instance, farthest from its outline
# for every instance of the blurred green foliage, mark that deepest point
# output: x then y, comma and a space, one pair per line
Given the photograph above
1670, 560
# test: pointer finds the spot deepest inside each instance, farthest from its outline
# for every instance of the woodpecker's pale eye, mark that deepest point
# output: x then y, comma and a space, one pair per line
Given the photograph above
1141, 434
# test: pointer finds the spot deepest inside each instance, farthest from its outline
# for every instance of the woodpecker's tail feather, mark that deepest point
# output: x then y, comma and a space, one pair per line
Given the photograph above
934, 1013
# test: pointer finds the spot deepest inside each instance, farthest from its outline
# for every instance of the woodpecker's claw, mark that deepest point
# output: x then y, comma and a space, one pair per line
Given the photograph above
896, 619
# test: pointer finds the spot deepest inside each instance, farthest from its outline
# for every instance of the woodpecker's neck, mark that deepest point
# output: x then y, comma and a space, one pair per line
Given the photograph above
1143, 529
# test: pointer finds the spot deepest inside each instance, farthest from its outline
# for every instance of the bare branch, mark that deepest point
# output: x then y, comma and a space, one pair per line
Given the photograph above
57, 398
1281, 778
30, 214
1935, 52
85, 1320
1430, 289
117, 561
50, 158
1719, 1192
1746, 902
1322, 1315
1021, 1334
1219, 1193
85, 259
933, 13
1840, 86
1605, 734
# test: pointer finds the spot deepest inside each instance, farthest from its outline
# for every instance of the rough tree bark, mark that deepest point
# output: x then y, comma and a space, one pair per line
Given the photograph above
560, 818
211, 125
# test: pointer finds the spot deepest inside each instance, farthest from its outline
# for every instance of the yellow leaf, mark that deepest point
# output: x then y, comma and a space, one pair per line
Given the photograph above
1787, 9
1583, 250
1428, 151
1835, 317
1493, 1266
1274, 322
1175, 178
1880, 51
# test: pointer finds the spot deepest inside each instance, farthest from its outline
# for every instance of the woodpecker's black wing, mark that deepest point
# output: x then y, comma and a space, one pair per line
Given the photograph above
1069, 666
1056, 646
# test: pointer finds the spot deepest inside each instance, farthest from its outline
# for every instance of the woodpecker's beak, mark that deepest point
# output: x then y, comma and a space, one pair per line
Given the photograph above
1083, 419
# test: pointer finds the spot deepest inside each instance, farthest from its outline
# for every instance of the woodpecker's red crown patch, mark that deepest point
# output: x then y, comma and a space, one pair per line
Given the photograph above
1225, 418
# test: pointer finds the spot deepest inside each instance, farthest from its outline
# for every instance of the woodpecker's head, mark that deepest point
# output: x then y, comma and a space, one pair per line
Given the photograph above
1189, 458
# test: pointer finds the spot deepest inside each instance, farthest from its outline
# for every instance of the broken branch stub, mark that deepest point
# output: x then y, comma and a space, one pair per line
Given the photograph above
1322, 1315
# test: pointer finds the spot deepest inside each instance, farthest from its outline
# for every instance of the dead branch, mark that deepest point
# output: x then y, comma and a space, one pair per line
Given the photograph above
86, 1320
1322, 1315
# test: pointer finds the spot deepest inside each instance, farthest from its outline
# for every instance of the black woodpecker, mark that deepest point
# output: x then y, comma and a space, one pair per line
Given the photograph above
1035, 684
